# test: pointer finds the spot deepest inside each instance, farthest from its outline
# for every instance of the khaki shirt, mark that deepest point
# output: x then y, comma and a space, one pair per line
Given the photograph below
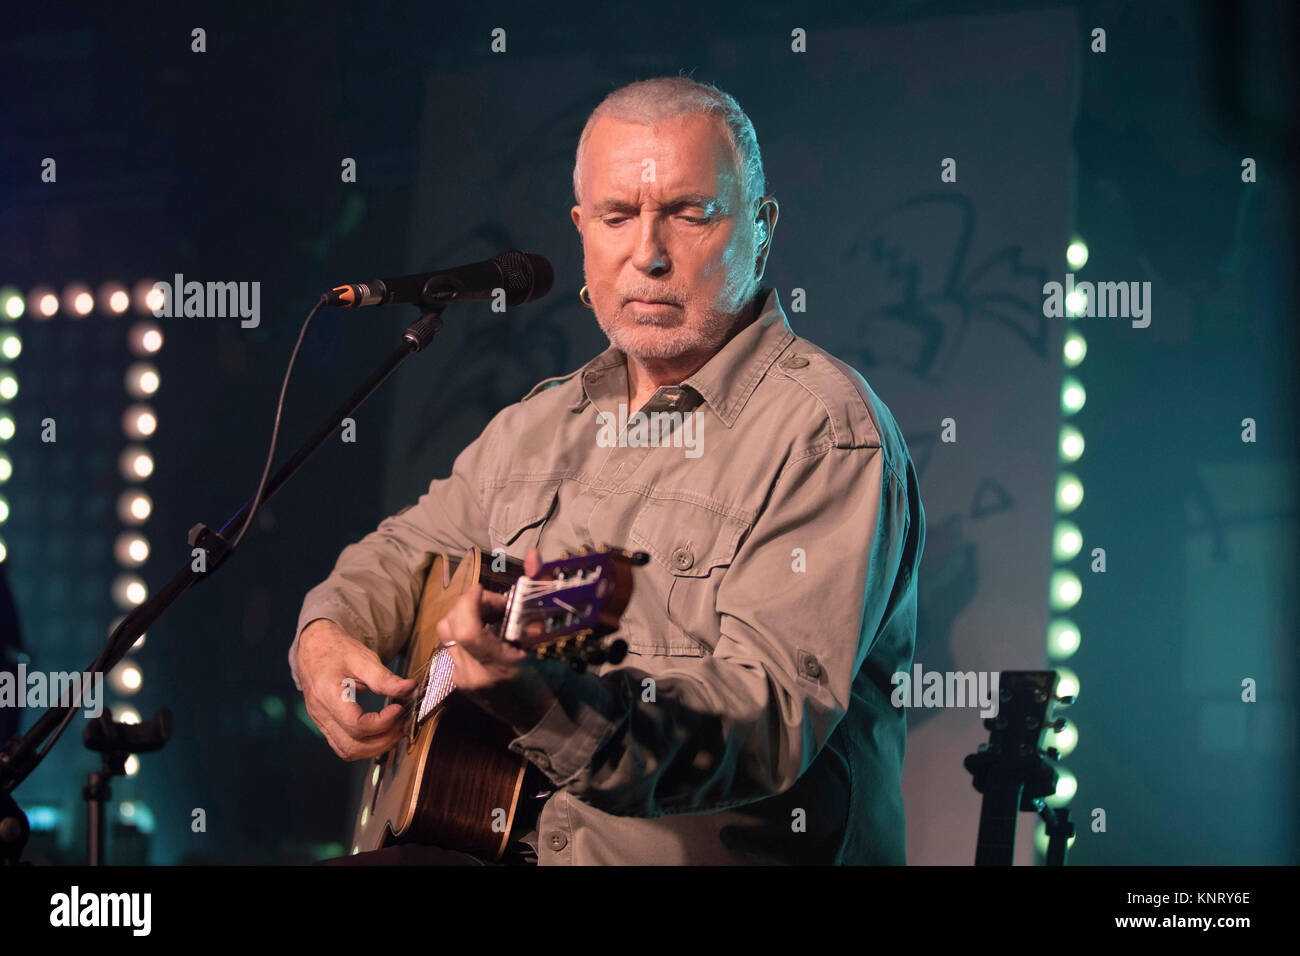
750, 721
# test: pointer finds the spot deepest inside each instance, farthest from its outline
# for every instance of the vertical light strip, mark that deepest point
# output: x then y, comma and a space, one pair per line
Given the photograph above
12, 306
1066, 588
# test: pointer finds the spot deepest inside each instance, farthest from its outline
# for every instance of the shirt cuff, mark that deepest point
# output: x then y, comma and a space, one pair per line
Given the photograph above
586, 713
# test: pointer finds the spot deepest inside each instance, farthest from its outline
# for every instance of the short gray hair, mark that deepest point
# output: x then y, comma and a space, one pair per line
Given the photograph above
665, 97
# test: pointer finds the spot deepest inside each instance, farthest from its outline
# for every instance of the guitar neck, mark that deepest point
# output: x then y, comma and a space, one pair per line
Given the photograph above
996, 844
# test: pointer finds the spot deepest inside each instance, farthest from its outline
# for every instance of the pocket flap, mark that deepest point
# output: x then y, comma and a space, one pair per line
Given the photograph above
687, 540
520, 504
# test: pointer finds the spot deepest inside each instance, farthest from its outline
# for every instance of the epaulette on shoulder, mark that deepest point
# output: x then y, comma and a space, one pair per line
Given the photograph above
841, 391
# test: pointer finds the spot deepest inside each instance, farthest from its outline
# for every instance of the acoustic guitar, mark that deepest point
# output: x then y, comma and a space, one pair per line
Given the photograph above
451, 781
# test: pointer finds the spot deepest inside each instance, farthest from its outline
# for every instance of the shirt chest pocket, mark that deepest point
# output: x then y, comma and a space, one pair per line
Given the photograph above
691, 549
517, 512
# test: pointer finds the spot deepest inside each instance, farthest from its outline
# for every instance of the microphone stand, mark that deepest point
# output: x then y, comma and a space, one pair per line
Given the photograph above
18, 758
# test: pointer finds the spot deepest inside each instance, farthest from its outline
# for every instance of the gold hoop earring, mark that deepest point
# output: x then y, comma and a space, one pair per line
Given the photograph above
585, 298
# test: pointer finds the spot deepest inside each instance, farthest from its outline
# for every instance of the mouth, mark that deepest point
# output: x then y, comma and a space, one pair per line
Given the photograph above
661, 303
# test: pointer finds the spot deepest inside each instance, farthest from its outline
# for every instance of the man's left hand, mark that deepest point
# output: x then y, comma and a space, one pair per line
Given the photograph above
509, 683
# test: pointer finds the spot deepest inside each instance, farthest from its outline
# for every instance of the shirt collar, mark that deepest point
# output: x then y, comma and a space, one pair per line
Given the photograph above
727, 380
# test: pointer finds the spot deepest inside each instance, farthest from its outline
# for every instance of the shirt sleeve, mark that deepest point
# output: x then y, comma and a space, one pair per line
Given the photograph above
373, 592
799, 606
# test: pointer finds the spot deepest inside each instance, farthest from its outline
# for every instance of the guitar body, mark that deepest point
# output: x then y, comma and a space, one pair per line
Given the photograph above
451, 782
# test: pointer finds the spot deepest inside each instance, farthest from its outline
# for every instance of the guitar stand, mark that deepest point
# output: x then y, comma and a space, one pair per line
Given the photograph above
1059, 831
115, 742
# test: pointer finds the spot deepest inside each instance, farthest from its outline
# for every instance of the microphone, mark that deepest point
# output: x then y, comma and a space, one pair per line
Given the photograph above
523, 275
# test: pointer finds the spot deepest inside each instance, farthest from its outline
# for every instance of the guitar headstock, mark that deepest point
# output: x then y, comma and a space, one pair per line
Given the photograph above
1025, 713
568, 608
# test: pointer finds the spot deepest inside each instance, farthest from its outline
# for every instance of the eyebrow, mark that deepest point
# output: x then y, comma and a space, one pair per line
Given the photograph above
706, 202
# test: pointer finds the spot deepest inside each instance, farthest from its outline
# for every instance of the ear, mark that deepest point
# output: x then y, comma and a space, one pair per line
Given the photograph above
576, 215
765, 223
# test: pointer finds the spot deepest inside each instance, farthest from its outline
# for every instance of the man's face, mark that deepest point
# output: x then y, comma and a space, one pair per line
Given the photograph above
662, 220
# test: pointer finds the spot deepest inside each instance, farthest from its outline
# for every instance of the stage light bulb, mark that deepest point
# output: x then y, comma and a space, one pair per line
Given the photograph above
126, 678
131, 549
1076, 303
135, 463
1064, 742
1066, 541
134, 507
1071, 444
1076, 254
1069, 493
13, 303
1067, 785
1066, 590
145, 338
139, 421
1062, 639
142, 380
1073, 395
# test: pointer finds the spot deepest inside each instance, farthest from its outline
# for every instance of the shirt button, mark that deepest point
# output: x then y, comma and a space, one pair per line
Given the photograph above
795, 361
556, 840
683, 558
810, 667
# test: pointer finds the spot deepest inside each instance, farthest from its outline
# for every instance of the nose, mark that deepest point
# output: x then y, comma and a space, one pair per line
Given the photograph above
650, 255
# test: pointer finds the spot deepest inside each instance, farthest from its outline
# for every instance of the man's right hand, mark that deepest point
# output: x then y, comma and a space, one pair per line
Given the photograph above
327, 657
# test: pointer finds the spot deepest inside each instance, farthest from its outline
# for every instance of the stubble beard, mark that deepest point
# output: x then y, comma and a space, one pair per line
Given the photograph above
706, 336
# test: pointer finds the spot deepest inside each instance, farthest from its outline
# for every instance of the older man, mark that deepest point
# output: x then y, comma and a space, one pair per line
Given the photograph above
751, 720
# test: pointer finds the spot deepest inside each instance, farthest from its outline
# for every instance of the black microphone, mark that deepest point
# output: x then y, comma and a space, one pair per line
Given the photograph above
523, 275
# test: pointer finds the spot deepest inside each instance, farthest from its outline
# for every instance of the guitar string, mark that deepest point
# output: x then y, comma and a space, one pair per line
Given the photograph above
529, 589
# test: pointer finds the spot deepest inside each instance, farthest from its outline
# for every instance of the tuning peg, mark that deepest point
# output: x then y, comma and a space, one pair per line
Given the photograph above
1057, 725
1065, 701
